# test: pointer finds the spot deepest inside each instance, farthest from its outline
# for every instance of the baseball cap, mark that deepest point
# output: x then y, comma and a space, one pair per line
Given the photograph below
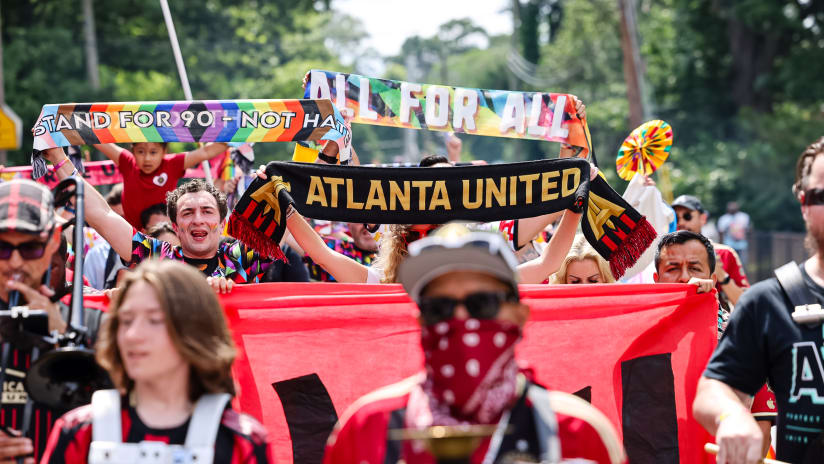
689, 202
454, 248
26, 206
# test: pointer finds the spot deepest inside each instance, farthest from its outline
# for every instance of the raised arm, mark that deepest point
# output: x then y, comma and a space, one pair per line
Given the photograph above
204, 153
98, 214
529, 228
723, 411
342, 268
111, 150
537, 270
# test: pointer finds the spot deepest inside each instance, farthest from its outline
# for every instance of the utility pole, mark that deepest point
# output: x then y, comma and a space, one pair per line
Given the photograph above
633, 69
91, 44
4, 157
411, 151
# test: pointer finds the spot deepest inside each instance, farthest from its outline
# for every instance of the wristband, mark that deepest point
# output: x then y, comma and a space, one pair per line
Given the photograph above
290, 210
60, 164
727, 280
327, 159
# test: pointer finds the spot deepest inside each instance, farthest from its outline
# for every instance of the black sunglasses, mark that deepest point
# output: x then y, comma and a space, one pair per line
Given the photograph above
814, 197
686, 216
480, 305
28, 250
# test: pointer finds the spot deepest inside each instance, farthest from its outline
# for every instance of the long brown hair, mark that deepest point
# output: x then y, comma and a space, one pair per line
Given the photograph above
194, 319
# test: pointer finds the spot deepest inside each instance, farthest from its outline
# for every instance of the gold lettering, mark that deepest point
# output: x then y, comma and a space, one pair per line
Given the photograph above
492, 189
528, 179
440, 197
576, 179
600, 212
546, 186
334, 183
398, 195
268, 194
421, 185
350, 200
513, 190
316, 192
375, 197
479, 186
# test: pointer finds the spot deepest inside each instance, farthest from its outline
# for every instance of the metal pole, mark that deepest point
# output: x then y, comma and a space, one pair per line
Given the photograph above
181, 70
91, 44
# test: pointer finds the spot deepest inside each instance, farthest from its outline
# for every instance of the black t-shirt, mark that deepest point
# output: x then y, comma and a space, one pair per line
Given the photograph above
762, 342
14, 392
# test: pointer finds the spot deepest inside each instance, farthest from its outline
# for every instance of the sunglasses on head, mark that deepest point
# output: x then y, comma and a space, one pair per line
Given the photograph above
480, 305
812, 197
28, 250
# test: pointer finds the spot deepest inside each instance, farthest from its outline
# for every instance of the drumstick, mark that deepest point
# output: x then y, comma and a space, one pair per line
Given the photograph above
712, 448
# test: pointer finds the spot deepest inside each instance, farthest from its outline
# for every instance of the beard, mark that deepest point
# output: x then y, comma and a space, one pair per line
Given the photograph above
814, 241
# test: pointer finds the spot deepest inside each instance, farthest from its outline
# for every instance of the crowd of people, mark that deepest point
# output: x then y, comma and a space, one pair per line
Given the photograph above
160, 251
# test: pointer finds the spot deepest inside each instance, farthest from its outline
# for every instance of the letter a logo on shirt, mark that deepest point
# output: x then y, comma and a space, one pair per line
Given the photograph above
160, 180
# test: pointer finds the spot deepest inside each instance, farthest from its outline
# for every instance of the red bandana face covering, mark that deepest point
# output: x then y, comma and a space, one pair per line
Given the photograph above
471, 373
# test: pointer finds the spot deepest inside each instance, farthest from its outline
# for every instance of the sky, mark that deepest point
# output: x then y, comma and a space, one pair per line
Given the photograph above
390, 22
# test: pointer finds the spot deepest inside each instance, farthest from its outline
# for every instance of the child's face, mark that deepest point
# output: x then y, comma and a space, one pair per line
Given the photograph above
148, 155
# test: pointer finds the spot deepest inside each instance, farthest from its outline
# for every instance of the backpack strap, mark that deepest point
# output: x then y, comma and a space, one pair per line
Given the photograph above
106, 416
546, 424
205, 420
807, 309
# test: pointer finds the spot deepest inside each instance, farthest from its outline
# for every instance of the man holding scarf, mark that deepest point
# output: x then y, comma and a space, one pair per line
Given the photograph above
465, 286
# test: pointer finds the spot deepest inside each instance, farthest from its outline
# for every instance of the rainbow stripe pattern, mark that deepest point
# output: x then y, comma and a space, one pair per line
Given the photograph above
231, 121
500, 113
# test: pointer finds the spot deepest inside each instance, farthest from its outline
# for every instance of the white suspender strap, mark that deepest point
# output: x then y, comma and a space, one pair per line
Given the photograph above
206, 420
546, 424
106, 416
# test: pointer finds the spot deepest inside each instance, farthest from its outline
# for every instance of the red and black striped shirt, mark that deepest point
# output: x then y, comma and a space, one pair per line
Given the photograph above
240, 438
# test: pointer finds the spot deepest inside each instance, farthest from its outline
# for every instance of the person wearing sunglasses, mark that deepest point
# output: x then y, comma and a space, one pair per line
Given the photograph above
765, 341
465, 286
29, 237
730, 275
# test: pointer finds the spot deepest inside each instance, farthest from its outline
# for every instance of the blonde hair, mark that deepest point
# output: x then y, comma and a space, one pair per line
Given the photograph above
580, 251
194, 320
392, 251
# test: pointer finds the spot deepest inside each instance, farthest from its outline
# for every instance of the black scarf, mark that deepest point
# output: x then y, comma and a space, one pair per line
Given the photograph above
438, 195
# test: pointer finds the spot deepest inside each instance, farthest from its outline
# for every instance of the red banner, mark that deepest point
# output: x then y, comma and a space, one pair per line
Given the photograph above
96, 173
636, 351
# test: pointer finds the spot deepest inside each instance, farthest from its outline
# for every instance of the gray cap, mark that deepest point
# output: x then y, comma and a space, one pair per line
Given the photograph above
454, 248
689, 202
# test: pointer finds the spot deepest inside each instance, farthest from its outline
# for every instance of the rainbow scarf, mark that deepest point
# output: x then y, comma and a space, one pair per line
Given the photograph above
231, 121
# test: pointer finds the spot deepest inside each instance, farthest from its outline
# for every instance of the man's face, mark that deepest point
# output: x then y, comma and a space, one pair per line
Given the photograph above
681, 262
198, 224
362, 238
148, 155
458, 285
690, 219
814, 214
27, 271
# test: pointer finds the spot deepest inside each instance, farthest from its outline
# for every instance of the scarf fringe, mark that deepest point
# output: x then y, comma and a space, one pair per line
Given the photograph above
241, 229
632, 247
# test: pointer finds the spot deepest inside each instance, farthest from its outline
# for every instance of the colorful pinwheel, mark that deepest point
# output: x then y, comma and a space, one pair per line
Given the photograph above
645, 150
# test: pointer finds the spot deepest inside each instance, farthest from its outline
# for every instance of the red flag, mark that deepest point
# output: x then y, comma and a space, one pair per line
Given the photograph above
636, 350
